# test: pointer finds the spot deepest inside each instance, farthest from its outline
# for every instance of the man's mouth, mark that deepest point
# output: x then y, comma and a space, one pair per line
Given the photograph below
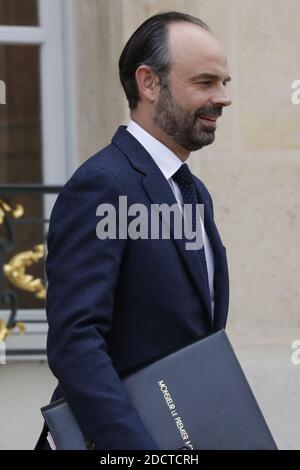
208, 118
208, 121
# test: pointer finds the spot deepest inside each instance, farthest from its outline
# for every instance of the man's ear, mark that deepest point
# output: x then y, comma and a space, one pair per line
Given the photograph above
147, 82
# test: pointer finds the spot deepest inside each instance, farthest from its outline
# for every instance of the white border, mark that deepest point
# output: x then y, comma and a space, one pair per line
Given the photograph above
22, 35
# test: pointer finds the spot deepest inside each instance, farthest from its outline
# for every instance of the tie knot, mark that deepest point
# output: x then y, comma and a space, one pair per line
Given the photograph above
183, 176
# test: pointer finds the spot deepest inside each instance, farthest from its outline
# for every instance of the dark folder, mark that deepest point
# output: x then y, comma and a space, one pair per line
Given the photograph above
195, 398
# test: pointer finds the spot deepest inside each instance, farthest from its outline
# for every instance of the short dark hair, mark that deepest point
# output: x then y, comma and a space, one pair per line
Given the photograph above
149, 45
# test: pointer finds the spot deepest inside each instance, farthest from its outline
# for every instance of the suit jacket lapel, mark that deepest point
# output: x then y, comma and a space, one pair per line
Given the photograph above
221, 281
160, 192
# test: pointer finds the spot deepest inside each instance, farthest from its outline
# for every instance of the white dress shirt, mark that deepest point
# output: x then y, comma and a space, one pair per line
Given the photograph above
168, 164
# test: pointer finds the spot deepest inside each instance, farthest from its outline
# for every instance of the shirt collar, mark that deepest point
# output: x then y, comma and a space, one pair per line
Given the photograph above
165, 159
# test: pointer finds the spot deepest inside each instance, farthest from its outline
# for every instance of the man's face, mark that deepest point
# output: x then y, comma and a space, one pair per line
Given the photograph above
188, 107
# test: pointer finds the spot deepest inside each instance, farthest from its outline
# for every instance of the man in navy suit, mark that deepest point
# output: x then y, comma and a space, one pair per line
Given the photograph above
116, 303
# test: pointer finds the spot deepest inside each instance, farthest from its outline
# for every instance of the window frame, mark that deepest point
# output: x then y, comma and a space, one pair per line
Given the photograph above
53, 35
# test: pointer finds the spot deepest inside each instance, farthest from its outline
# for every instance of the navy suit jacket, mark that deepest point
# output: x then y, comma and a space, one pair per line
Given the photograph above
114, 305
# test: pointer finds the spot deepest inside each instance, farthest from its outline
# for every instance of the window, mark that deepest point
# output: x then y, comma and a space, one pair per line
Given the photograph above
33, 129
18, 13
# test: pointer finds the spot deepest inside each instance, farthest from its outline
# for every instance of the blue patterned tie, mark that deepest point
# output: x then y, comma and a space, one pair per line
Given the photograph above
184, 179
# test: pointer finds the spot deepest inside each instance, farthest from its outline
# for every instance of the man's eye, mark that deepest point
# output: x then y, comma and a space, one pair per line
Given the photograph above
206, 83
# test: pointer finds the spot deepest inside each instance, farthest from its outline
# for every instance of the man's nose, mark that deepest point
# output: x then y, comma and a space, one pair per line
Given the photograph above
221, 99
